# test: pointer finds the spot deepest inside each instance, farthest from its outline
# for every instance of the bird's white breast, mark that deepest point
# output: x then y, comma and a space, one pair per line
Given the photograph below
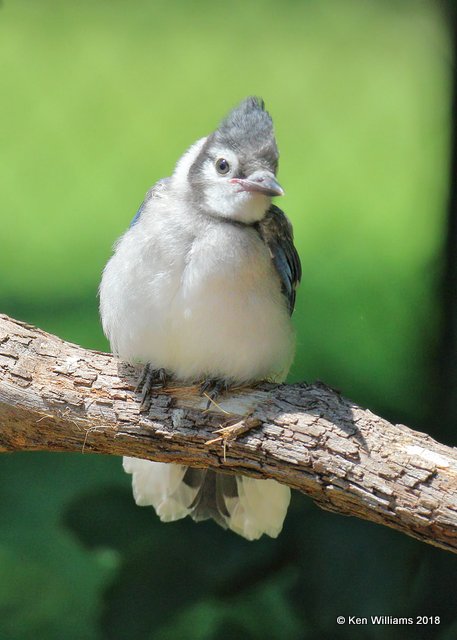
200, 303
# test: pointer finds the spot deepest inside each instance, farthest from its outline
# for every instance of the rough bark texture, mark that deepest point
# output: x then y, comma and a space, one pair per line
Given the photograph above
56, 396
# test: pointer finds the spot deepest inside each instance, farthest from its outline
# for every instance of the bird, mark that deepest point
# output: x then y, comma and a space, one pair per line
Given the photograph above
201, 288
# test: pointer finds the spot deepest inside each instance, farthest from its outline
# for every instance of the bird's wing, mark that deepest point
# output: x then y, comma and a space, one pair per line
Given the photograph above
156, 191
276, 231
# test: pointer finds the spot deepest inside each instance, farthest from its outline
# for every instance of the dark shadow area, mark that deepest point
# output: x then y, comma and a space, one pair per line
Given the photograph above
282, 587
328, 403
445, 409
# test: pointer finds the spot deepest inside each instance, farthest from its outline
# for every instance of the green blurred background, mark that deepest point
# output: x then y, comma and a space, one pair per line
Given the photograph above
97, 101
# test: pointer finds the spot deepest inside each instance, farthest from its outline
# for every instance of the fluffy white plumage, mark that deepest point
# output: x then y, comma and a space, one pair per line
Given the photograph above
195, 297
200, 298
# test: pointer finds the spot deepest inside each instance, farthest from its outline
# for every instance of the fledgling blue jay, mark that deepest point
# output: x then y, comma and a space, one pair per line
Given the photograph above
201, 287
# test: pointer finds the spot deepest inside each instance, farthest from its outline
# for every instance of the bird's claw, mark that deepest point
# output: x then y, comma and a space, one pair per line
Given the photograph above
212, 388
150, 380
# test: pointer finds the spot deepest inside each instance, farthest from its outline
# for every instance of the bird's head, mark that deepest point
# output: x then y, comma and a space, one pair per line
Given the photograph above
232, 172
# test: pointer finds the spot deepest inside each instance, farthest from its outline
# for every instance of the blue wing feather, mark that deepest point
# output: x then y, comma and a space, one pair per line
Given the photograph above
154, 192
137, 215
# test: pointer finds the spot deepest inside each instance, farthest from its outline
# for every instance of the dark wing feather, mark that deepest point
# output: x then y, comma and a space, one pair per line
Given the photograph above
276, 231
155, 191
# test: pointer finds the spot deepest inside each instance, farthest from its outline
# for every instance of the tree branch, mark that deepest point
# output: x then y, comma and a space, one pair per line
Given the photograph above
56, 396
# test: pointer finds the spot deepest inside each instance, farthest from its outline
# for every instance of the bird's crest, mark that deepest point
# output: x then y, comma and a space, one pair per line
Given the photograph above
249, 125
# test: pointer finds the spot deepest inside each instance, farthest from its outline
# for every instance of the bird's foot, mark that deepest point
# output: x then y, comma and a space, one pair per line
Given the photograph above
212, 388
150, 380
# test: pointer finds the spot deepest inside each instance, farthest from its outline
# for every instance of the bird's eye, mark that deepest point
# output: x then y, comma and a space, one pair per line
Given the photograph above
222, 166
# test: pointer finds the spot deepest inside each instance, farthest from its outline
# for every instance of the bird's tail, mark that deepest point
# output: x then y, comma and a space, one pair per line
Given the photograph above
247, 506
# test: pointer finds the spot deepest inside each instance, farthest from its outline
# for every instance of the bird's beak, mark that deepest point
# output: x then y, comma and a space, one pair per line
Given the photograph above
260, 182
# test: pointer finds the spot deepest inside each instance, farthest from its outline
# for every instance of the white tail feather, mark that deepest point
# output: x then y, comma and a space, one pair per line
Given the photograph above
160, 485
260, 507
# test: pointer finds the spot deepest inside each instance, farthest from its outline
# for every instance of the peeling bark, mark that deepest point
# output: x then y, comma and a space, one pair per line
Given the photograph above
56, 396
